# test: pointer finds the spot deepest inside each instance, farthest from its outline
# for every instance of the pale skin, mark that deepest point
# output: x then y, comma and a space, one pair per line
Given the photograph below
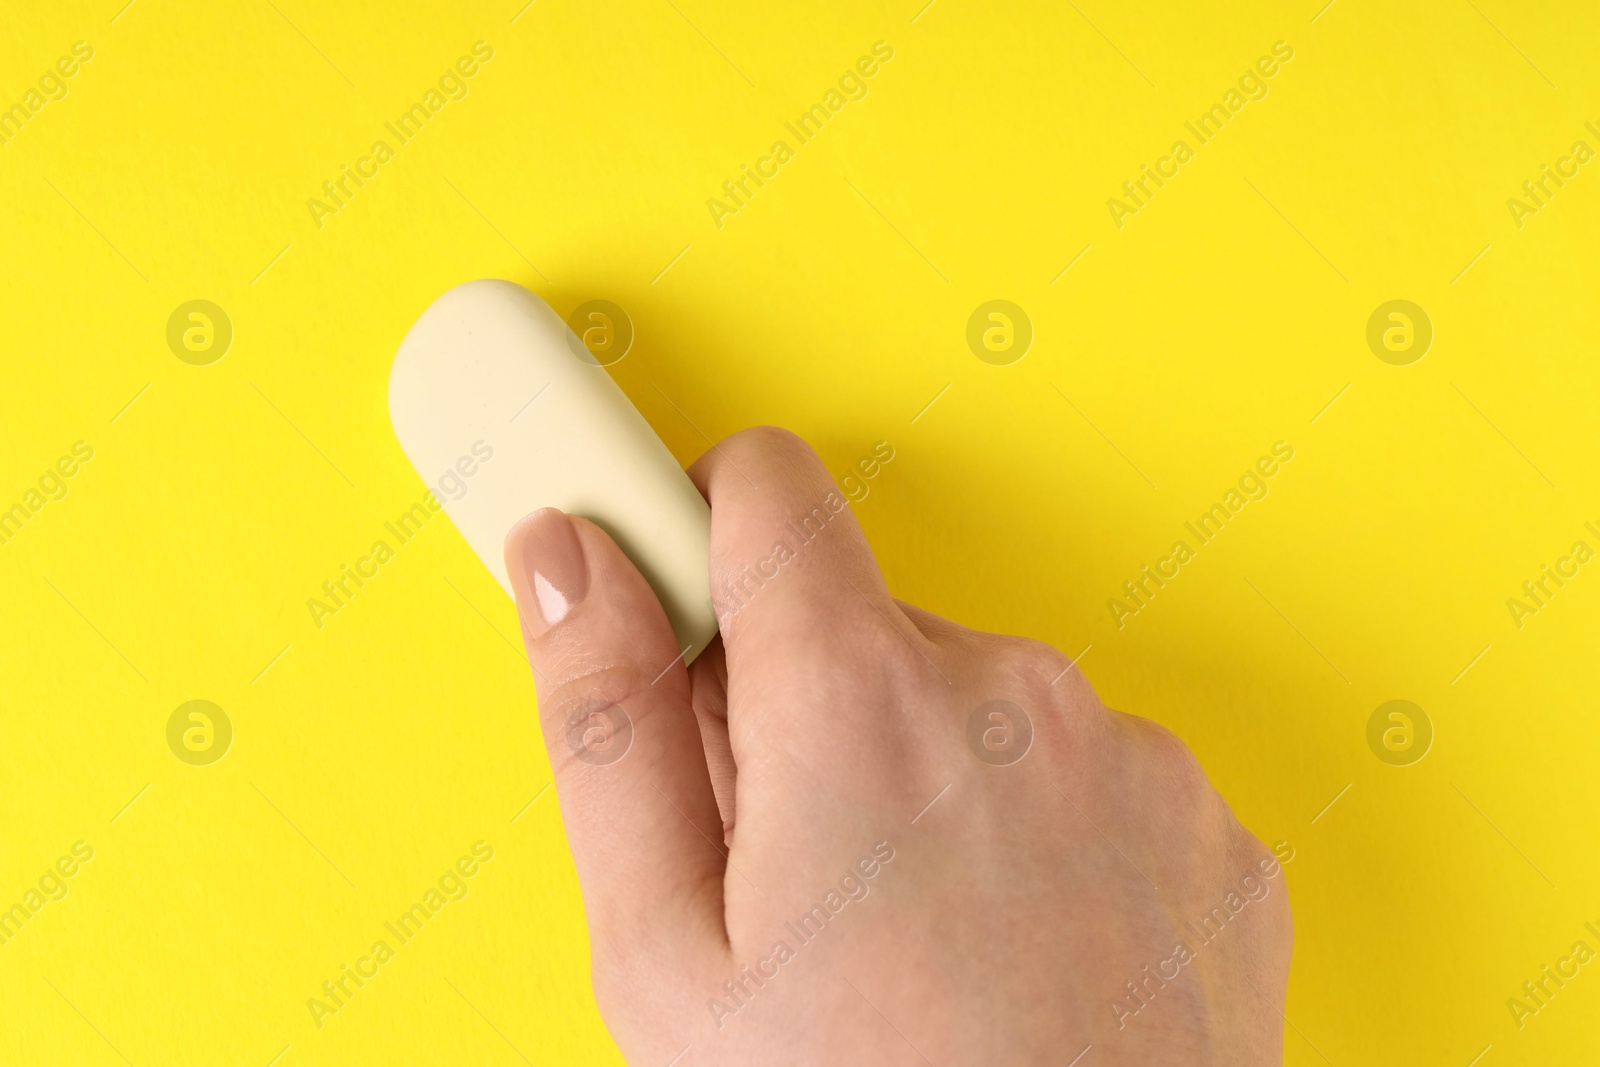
828, 727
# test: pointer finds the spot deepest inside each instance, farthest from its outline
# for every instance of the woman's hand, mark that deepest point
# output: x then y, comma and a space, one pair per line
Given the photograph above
855, 833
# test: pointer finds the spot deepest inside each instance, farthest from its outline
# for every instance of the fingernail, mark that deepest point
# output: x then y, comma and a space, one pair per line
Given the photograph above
547, 569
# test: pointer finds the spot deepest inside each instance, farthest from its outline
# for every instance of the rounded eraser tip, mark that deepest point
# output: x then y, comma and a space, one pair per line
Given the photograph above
501, 416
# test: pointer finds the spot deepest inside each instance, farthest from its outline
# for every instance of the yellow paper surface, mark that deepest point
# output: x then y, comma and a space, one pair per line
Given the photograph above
1172, 347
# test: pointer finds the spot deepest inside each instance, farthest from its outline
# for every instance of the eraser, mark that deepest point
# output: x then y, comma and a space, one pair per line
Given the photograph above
503, 411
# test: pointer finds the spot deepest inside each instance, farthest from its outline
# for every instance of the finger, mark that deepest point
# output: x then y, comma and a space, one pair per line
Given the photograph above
624, 745
708, 678
789, 562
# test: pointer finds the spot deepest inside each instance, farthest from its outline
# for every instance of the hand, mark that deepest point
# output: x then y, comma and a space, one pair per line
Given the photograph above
825, 843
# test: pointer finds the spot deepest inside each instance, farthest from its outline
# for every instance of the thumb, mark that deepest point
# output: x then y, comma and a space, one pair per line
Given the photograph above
625, 748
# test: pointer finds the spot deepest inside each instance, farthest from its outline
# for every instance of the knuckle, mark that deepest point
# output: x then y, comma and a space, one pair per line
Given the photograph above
1049, 681
1173, 763
769, 444
589, 718
613, 684
1063, 715
766, 436
1054, 674
1023, 659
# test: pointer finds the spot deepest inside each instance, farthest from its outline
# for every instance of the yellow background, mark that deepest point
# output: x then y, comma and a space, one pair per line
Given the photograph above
370, 754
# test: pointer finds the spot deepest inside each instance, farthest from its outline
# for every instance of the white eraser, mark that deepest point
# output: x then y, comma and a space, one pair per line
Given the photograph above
502, 412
